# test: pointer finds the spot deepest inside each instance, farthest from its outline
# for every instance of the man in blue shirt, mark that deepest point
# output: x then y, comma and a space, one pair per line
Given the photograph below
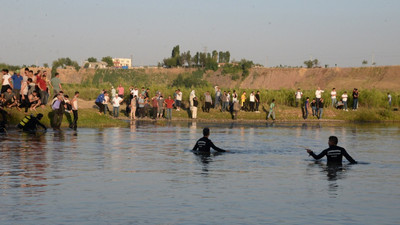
17, 82
99, 102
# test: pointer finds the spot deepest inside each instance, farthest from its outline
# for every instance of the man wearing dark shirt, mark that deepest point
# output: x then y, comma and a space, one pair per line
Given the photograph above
30, 123
334, 153
204, 144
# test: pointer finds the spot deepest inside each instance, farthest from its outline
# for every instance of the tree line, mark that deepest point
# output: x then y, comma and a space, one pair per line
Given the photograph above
206, 60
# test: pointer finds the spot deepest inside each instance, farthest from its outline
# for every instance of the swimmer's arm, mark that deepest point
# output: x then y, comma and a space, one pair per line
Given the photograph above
216, 148
348, 157
196, 146
322, 154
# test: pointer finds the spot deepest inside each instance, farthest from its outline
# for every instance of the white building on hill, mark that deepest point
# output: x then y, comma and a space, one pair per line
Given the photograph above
122, 62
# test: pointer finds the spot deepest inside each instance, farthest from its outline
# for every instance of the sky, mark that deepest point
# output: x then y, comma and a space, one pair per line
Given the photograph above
271, 33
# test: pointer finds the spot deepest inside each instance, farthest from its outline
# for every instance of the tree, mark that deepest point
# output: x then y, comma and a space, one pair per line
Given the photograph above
92, 59
45, 65
63, 62
227, 57
364, 62
186, 58
311, 63
215, 55
175, 52
245, 65
316, 62
196, 59
108, 60
202, 59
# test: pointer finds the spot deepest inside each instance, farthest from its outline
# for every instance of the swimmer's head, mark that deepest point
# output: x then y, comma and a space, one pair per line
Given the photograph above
333, 141
39, 116
206, 131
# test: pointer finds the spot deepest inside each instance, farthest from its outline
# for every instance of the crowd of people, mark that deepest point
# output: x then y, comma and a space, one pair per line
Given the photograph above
29, 91
140, 104
318, 103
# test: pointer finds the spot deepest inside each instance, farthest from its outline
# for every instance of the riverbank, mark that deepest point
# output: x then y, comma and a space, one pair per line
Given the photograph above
90, 118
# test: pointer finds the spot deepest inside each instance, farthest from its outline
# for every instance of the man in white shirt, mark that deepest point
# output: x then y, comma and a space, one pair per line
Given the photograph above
135, 92
318, 94
298, 95
252, 100
333, 97
178, 100
344, 100
117, 100
6, 82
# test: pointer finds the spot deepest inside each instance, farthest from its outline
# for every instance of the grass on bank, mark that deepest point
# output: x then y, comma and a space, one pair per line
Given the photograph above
91, 119
86, 118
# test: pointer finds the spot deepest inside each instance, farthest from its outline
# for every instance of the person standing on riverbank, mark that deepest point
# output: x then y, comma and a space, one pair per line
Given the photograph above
160, 106
252, 100
217, 97
235, 109
58, 111
169, 103
191, 97
6, 81
344, 100
243, 98
133, 107
258, 99
178, 100
154, 104
298, 96
334, 153
333, 97
116, 104
355, 99
194, 108
389, 100
320, 108
318, 94
314, 107
224, 100
207, 102
74, 103
17, 83
272, 110
306, 107
121, 91
99, 102
55, 83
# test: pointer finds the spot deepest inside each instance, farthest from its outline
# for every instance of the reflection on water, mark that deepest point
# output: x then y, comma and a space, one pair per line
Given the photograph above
119, 175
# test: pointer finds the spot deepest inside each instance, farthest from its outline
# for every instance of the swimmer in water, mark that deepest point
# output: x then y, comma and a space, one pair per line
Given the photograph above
204, 144
334, 153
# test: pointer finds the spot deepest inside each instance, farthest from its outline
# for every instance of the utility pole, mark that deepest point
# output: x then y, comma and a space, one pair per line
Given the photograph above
373, 59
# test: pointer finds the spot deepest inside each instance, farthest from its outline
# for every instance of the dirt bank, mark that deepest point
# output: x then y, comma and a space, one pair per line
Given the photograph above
381, 78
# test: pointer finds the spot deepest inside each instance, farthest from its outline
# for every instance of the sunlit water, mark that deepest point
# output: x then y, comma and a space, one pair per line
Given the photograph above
147, 174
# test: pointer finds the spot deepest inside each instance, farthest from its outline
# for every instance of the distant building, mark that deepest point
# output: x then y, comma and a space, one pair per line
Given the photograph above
122, 62
95, 65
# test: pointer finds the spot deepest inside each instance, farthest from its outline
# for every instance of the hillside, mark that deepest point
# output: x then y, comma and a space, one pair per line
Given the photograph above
381, 78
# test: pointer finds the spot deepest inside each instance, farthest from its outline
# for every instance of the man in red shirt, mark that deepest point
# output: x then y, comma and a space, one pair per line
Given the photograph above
169, 102
42, 84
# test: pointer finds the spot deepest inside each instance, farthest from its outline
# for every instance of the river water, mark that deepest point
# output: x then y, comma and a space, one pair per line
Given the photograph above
146, 174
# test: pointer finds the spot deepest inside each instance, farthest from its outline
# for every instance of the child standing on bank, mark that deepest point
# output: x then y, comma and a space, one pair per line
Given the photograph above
271, 110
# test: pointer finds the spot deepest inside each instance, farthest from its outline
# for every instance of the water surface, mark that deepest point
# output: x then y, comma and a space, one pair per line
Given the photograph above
146, 174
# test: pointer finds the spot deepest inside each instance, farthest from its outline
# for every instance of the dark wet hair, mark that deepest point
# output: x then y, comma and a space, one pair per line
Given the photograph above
39, 116
333, 139
5, 70
76, 92
206, 131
